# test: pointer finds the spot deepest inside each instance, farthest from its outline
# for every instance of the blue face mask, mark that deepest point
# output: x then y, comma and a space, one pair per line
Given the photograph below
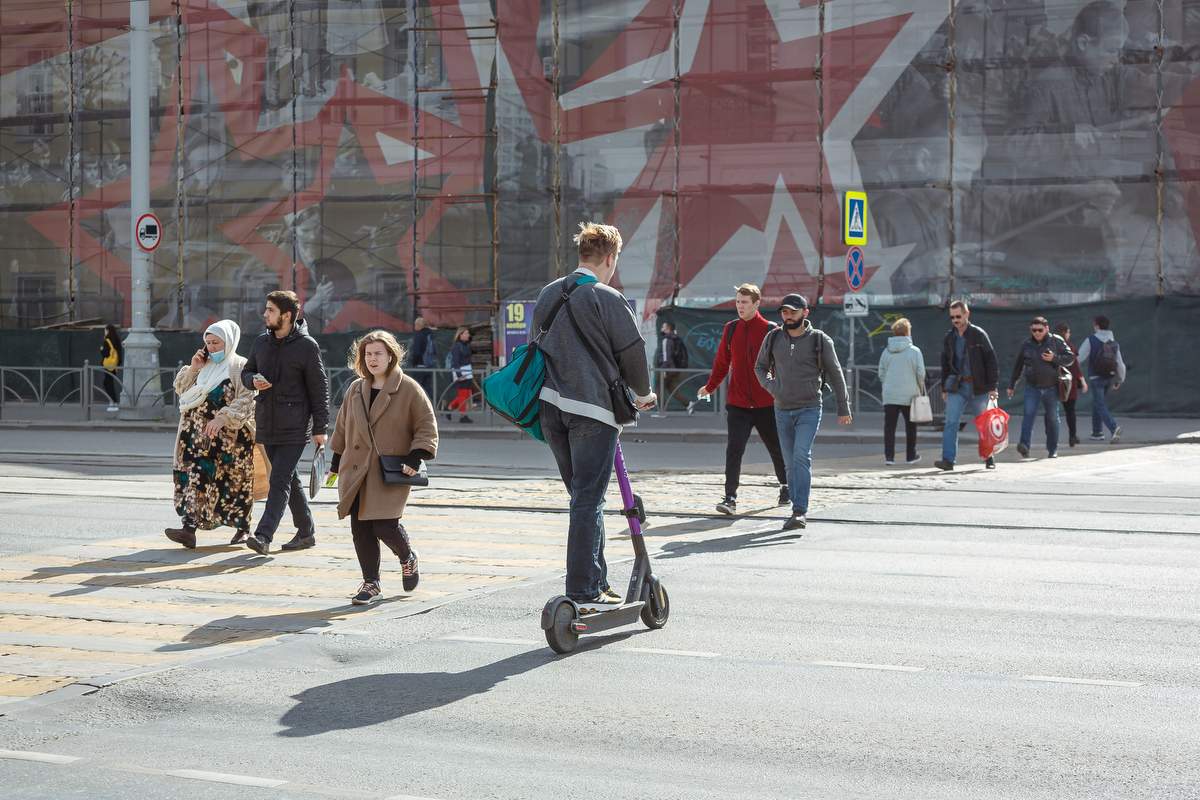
217, 357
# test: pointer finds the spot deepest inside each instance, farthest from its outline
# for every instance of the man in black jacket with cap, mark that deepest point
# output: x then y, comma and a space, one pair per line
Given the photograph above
292, 404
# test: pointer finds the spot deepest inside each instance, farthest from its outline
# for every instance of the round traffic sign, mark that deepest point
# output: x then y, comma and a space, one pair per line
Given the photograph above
856, 273
148, 232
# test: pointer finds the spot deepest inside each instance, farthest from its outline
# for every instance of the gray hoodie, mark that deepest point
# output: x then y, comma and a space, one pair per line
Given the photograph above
573, 381
787, 368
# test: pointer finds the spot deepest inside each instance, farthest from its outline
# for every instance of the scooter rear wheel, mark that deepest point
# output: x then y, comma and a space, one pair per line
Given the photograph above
654, 614
559, 636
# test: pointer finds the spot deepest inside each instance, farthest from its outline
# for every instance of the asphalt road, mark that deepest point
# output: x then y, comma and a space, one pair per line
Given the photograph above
1025, 633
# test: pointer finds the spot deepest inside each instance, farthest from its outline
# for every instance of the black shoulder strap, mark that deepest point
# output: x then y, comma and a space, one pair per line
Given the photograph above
727, 335
819, 337
769, 343
558, 304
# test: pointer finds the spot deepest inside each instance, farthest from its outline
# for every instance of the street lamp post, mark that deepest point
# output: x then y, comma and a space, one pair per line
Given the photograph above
141, 346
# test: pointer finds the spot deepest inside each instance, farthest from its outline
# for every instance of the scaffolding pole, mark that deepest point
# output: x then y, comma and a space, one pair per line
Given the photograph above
451, 198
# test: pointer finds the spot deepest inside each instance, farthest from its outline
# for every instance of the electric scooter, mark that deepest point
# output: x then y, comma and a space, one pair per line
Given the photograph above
646, 598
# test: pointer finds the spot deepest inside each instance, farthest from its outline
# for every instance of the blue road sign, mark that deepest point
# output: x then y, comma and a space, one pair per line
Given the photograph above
856, 272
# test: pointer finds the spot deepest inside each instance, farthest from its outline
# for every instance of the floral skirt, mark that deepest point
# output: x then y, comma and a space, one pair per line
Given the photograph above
214, 481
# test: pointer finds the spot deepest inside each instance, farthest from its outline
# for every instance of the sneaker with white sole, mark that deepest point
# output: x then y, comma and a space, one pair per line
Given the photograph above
368, 593
889, 462
913, 460
1116, 436
1097, 437
411, 571
692, 407
727, 506
607, 600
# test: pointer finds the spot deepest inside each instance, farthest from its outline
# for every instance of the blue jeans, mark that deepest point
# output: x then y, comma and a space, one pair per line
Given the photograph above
286, 492
797, 429
1100, 412
1048, 399
956, 403
584, 450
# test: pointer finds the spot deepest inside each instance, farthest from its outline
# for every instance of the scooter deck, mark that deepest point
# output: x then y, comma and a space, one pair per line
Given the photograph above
605, 620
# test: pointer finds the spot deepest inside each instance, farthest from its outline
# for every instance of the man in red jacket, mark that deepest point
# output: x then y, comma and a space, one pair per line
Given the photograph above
749, 406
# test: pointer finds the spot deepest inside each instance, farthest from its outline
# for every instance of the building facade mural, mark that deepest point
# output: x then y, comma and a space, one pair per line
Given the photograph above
392, 157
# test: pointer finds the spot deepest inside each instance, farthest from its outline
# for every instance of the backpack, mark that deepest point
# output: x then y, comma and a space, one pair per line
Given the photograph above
429, 358
514, 392
680, 353
1103, 358
818, 341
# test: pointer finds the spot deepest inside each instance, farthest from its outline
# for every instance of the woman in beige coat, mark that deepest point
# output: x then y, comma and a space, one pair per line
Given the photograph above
401, 417
214, 449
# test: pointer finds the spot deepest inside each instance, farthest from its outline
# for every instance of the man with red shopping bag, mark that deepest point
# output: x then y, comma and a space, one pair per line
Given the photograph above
970, 374
993, 431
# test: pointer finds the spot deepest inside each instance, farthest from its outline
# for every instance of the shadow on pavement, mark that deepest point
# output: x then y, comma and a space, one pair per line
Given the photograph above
730, 545
374, 699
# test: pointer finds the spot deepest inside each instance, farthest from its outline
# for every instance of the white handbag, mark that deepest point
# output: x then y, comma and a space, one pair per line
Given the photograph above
919, 409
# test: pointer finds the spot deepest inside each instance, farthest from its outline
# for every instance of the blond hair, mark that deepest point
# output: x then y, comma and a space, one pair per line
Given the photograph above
458, 333
597, 242
751, 291
357, 359
902, 327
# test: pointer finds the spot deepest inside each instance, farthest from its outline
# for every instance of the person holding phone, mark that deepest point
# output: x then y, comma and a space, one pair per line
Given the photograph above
214, 448
1039, 358
387, 408
292, 406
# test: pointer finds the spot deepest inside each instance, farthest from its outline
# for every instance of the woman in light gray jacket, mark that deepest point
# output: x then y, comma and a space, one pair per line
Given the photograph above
902, 375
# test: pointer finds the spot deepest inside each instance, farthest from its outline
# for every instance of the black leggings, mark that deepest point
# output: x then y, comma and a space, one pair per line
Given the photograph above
890, 415
368, 533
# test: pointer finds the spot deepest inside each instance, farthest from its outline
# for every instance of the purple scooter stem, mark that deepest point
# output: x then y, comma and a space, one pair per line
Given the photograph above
635, 527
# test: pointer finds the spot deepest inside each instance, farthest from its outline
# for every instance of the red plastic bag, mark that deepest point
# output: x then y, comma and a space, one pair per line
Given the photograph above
993, 430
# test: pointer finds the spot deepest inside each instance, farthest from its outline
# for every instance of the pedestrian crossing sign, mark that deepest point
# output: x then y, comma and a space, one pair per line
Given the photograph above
854, 218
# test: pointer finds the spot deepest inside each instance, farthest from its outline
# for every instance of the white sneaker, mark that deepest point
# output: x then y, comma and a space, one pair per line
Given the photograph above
888, 462
114, 408
691, 406
1116, 436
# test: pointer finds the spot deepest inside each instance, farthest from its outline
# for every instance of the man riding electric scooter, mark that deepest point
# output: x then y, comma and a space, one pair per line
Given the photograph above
595, 358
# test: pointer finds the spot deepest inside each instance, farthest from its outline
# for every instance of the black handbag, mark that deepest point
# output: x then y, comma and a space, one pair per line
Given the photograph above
392, 467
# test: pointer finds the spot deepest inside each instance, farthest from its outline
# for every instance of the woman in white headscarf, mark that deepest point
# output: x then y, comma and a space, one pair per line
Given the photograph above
214, 451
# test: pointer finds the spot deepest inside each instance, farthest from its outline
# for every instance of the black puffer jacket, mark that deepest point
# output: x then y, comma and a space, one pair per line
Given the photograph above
1040, 373
297, 404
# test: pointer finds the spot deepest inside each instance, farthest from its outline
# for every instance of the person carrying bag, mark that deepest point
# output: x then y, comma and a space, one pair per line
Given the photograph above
385, 429
902, 376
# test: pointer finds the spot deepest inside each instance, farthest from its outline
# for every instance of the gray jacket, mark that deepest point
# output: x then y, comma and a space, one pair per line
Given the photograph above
788, 368
574, 383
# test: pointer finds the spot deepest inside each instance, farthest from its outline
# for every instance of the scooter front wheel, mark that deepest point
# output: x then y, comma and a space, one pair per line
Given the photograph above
656, 611
561, 638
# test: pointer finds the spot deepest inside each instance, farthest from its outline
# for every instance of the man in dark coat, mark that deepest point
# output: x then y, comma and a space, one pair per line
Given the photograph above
292, 405
970, 374
422, 353
1039, 358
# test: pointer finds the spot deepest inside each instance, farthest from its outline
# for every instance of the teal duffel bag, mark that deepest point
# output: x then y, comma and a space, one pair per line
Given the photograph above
514, 391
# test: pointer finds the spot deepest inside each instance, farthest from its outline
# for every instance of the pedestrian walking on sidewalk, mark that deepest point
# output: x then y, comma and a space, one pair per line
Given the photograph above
112, 356
795, 365
970, 376
1039, 358
388, 410
671, 357
1106, 372
463, 375
590, 346
749, 406
1078, 384
423, 356
292, 406
214, 448
902, 376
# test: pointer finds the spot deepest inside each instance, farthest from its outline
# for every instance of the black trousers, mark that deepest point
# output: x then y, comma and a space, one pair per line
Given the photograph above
286, 491
1069, 410
741, 421
368, 533
891, 414
110, 388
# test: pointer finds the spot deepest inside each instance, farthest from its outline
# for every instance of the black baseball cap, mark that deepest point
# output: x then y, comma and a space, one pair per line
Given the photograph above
796, 302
